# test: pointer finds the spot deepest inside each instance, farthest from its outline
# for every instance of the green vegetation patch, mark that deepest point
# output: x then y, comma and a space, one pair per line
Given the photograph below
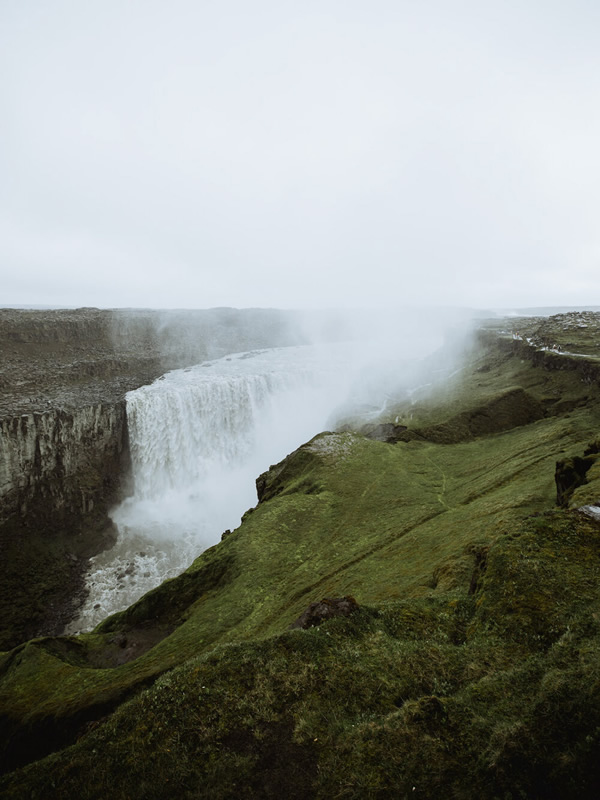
477, 625
448, 693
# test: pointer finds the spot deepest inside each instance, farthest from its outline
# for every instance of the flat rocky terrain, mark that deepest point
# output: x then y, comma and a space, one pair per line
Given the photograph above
63, 359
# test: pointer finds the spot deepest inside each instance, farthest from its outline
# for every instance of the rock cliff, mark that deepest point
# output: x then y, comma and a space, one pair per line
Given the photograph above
69, 462
469, 666
63, 435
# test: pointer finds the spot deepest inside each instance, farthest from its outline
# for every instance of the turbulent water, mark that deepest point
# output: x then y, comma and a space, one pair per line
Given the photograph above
199, 437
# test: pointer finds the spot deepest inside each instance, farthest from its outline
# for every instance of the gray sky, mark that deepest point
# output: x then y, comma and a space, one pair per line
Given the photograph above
313, 153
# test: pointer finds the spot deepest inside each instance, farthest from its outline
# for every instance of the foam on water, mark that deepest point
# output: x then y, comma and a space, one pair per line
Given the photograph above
199, 437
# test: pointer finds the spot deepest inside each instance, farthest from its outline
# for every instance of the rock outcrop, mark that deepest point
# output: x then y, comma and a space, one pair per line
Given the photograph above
61, 464
327, 608
64, 455
60, 472
571, 473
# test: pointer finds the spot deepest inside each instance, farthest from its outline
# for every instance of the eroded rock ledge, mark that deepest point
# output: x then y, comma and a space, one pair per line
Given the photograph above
64, 457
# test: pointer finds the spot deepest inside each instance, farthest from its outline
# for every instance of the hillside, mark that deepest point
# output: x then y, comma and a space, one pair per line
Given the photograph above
468, 666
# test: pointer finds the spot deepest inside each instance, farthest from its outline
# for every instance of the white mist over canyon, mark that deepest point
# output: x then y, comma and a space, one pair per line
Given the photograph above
200, 436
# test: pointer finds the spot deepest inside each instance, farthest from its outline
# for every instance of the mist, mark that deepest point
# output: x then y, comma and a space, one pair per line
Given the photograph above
291, 155
200, 435
346, 179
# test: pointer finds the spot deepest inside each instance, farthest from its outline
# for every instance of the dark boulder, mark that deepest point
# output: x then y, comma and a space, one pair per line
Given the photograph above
324, 609
571, 473
385, 432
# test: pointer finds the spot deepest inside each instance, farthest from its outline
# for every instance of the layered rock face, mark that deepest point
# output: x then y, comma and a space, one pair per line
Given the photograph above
63, 436
60, 472
61, 462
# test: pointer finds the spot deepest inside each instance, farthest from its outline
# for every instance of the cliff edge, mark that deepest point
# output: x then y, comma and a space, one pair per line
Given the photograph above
468, 664
64, 453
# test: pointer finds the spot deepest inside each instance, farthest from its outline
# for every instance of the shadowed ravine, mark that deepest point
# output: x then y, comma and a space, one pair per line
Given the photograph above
198, 437
466, 661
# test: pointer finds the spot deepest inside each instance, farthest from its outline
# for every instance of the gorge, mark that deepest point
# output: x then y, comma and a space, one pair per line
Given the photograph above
64, 458
469, 665
197, 438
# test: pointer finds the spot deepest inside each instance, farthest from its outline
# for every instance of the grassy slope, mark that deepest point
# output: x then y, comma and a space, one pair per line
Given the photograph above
475, 647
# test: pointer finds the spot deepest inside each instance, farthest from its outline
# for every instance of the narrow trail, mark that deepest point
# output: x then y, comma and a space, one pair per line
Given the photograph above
370, 551
441, 495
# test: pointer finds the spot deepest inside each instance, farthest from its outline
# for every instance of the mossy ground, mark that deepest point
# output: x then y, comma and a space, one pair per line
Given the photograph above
489, 694
471, 670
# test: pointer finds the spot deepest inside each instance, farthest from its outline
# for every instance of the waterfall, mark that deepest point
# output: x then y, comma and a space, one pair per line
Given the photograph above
198, 439
184, 425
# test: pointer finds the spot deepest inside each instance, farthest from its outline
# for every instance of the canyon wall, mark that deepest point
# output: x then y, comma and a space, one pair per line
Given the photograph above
64, 454
62, 463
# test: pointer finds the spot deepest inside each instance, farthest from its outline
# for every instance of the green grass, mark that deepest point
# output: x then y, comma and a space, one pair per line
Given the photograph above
459, 695
478, 619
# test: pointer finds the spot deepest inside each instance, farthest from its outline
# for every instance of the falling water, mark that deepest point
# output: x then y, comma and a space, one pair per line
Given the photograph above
198, 439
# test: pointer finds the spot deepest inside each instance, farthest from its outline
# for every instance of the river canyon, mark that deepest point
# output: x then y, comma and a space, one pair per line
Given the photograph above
131, 440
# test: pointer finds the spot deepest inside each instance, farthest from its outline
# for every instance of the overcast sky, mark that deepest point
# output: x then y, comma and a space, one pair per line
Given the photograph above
313, 153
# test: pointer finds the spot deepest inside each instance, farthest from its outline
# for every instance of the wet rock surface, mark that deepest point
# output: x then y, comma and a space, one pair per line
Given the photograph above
64, 457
